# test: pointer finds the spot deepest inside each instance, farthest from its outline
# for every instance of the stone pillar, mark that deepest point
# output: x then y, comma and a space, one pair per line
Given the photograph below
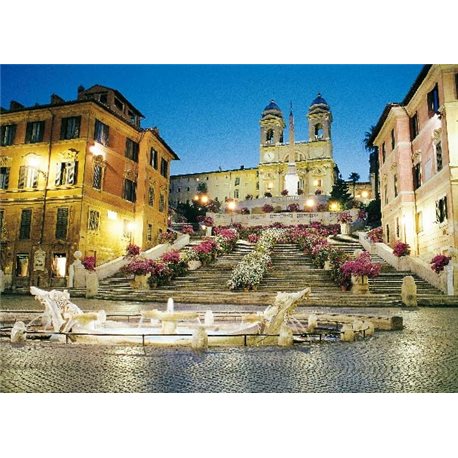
92, 284
285, 339
199, 339
409, 291
77, 272
347, 333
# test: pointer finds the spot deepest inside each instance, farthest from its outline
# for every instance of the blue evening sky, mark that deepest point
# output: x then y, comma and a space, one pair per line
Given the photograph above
209, 114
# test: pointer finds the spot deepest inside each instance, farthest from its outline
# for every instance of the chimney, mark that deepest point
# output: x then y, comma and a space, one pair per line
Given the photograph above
15, 105
242, 167
55, 99
80, 92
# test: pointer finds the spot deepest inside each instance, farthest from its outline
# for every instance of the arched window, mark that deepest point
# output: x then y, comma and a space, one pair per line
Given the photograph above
318, 132
270, 136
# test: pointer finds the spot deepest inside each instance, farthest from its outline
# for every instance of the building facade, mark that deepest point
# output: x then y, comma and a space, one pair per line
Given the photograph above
313, 159
78, 175
417, 142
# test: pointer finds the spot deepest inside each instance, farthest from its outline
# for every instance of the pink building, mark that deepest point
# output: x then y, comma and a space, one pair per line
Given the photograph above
417, 142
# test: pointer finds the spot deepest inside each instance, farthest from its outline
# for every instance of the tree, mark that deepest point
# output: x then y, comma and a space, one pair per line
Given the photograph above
354, 177
340, 192
374, 215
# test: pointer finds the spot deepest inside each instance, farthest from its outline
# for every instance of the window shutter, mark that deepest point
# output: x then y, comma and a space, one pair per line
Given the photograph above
34, 178
28, 132
58, 180
445, 208
63, 129
71, 172
22, 174
61, 223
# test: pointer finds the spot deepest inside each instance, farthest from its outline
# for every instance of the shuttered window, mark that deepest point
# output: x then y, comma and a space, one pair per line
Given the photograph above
28, 177
101, 132
35, 132
441, 210
97, 177
433, 101
151, 196
161, 203
26, 222
8, 134
61, 223
93, 220
129, 190
70, 127
131, 150
66, 173
164, 168
153, 158
4, 177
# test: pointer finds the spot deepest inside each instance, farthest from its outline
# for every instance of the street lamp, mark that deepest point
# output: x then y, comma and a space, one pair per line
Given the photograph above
231, 207
130, 228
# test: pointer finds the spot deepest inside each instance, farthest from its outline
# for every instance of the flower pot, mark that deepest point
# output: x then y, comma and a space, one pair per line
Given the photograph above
327, 265
140, 282
360, 284
345, 228
194, 265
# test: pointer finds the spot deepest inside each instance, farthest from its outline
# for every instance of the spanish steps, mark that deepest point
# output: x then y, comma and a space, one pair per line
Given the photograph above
291, 271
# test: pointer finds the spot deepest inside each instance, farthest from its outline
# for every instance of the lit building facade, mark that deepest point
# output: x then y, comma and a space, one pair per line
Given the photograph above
78, 175
313, 159
417, 142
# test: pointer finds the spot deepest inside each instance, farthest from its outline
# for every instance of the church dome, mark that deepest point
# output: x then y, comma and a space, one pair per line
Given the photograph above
272, 109
319, 101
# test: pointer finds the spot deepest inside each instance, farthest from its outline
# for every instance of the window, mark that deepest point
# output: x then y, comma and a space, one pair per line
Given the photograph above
118, 104
104, 98
319, 132
419, 221
1, 221
439, 156
129, 190
161, 203
397, 228
35, 132
28, 177
395, 185
270, 136
8, 133
93, 220
441, 210
132, 117
26, 221
164, 168
236, 194
149, 233
237, 181
70, 128
393, 140
383, 152
385, 189
413, 126
22, 265
416, 172
66, 173
153, 159
61, 223
387, 233
4, 177
101, 132
257, 185
97, 176
131, 150
151, 196
433, 101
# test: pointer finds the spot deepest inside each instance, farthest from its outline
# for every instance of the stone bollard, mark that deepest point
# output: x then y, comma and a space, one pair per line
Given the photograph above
357, 325
347, 334
409, 291
169, 327
368, 328
77, 272
199, 339
312, 323
209, 319
285, 339
92, 284
19, 332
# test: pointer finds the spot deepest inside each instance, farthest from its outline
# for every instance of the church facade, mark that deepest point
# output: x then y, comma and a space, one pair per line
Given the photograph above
312, 160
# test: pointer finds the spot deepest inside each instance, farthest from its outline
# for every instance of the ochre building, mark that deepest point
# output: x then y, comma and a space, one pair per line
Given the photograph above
78, 175
417, 142
313, 158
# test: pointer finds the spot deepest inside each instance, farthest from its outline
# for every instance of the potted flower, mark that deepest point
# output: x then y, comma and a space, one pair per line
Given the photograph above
267, 208
253, 238
191, 258
245, 211
160, 273
132, 250
141, 269
401, 249
167, 237
360, 270
375, 235
187, 229
293, 208
284, 192
173, 260
345, 220
439, 262
92, 281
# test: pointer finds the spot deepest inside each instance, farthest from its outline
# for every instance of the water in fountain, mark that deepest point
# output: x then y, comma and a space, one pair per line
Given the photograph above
209, 318
170, 305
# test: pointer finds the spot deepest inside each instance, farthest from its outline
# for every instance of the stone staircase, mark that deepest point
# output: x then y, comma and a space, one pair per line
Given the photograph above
291, 271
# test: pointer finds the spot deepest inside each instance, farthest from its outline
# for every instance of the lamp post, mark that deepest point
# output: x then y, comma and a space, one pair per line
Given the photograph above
231, 207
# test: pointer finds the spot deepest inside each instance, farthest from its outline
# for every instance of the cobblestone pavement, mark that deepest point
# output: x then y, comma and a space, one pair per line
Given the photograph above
421, 358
